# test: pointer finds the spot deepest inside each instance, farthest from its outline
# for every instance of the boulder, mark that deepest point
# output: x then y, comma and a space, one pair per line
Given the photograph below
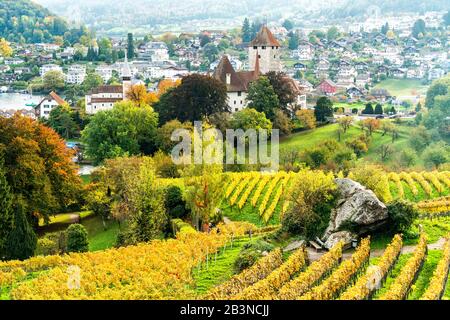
357, 208
335, 237
294, 245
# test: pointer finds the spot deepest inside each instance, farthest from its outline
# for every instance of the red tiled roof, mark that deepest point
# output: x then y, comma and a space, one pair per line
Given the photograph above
107, 89
57, 98
239, 80
105, 100
265, 38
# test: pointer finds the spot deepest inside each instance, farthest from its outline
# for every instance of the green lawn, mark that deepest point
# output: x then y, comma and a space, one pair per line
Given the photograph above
65, 218
425, 275
403, 87
99, 237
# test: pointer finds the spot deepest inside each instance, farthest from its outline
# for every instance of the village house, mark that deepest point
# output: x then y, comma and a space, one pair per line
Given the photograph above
76, 74
154, 51
49, 67
327, 87
43, 108
434, 43
104, 97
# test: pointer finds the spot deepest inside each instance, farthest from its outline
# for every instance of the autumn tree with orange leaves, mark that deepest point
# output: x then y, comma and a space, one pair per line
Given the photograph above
139, 96
38, 166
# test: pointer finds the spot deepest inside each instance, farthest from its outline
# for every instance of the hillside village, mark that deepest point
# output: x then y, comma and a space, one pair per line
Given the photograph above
345, 65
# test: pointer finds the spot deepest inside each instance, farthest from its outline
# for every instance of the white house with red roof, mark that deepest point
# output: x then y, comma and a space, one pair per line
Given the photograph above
43, 108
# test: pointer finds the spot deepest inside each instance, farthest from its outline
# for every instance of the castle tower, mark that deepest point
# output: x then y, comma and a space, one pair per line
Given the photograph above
126, 76
265, 48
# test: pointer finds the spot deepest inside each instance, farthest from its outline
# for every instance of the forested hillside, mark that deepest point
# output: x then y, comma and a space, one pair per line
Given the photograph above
24, 21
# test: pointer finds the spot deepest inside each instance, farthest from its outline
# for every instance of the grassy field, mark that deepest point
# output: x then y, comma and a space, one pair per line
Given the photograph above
403, 87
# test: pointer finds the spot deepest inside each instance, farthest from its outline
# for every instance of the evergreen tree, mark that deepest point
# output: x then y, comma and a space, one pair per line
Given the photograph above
368, 109
130, 48
6, 212
418, 28
378, 109
293, 41
21, 241
385, 28
262, 97
323, 109
246, 31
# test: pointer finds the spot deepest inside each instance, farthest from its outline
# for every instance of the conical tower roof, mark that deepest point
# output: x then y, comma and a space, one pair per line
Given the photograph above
265, 38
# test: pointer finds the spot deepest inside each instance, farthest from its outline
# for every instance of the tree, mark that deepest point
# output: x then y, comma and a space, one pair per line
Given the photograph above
284, 89
21, 241
204, 40
378, 109
262, 97
92, 80
436, 154
419, 138
249, 118
53, 80
371, 125
163, 141
246, 31
374, 178
323, 109
204, 193
293, 41
359, 145
345, 123
439, 87
385, 151
407, 157
197, 96
130, 46
332, 33
282, 122
446, 18
288, 25
38, 166
140, 97
306, 118
77, 238
124, 130
5, 48
309, 203
418, 28
61, 120
401, 215
211, 52
385, 28
6, 210
368, 109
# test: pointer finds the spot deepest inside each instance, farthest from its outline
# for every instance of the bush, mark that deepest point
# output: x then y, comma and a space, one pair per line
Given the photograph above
401, 215
250, 253
77, 238
51, 244
174, 203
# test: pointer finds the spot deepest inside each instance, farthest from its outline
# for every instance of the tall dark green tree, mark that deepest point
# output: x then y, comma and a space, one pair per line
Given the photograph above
283, 87
21, 241
323, 109
246, 31
368, 109
385, 28
130, 46
262, 97
446, 18
6, 210
293, 41
419, 28
288, 25
378, 109
61, 120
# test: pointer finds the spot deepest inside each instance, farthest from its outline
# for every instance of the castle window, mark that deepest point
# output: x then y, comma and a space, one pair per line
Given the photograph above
255, 47
239, 93
273, 47
236, 109
259, 56
263, 47
234, 101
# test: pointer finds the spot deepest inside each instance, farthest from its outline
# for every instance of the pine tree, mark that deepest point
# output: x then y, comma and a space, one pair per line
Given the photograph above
293, 41
378, 109
246, 31
130, 48
6, 212
21, 241
368, 109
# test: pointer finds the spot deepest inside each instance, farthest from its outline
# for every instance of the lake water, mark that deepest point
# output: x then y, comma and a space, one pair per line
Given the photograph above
17, 101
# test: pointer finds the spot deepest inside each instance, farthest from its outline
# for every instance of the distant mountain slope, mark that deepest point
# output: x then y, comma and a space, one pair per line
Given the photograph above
26, 21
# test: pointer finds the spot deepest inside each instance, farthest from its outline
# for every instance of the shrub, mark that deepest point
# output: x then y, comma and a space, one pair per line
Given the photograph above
175, 205
51, 244
250, 253
77, 238
401, 215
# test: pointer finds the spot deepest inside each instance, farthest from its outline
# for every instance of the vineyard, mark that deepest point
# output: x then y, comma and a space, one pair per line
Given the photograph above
333, 277
260, 198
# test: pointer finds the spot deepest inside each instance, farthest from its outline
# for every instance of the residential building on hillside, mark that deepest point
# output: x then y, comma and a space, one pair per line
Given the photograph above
49, 67
104, 71
43, 108
76, 74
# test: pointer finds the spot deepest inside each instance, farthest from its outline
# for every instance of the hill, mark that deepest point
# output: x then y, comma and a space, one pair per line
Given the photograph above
25, 21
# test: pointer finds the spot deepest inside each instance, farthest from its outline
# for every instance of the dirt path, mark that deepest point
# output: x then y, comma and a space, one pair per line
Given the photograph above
74, 218
313, 255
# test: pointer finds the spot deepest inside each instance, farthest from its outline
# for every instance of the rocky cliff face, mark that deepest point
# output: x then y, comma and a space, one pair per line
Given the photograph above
357, 209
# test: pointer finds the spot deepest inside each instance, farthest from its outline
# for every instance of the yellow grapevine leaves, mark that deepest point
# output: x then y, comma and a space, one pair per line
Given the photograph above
248, 277
266, 289
314, 273
363, 288
438, 205
438, 281
399, 289
331, 286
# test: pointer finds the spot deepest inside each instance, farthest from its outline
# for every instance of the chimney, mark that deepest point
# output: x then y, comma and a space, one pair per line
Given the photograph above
228, 78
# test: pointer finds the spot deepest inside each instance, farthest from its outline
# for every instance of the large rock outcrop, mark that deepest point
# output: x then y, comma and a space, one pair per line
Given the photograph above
358, 210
